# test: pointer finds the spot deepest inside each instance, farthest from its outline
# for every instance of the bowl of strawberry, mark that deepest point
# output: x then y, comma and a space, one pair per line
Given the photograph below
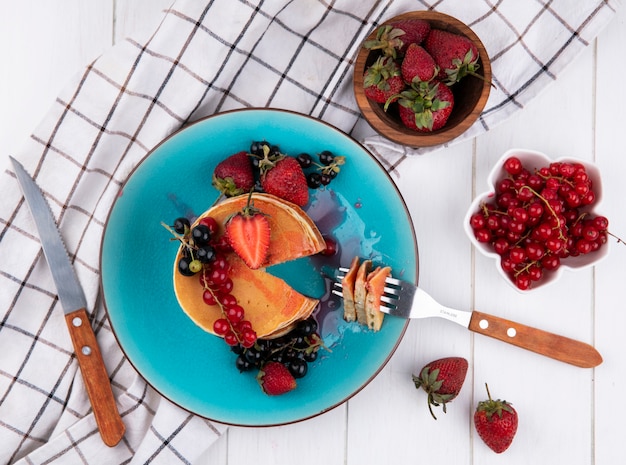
539, 217
422, 78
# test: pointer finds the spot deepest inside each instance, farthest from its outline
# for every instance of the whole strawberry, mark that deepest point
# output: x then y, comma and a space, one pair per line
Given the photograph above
442, 380
415, 31
425, 107
382, 80
393, 39
284, 178
496, 423
276, 379
234, 175
418, 64
456, 55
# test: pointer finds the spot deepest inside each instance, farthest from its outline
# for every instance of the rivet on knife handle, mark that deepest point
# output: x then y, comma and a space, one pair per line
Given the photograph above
95, 376
542, 342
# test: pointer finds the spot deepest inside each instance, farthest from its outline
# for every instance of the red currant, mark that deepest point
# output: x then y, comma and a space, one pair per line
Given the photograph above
216, 276
583, 246
234, 313
535, 209
535, 251
513, 165
483, 235
477, 221
221, 327
231, 338
209, 297
601, 223
331, 247
226, 287
550, 262
248, 337
535, 273
501, 245
210, 223
588, 198
523, 281
517, 255
590, 233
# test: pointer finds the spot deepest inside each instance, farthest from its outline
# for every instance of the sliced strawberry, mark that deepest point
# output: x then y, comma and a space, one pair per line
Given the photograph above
234, 175
248, 233
276, 379
285, 179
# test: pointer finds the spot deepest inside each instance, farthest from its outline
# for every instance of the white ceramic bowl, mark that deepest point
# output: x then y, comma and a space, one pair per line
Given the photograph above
534, 160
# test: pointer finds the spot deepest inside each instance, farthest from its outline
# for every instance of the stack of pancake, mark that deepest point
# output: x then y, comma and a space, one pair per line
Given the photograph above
270, 304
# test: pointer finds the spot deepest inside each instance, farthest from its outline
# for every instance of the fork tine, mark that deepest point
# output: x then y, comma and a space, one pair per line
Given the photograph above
336, 292
388, 300
391, 291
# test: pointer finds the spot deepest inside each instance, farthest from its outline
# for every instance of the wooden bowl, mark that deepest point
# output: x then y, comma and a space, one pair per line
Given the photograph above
470, 94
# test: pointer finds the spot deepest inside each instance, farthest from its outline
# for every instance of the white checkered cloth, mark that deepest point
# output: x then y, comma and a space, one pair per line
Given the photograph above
203, 58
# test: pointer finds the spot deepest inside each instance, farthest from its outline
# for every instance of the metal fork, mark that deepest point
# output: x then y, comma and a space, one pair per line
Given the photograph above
406, 300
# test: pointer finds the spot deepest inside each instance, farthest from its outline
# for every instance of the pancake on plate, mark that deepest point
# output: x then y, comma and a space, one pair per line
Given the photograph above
270, 304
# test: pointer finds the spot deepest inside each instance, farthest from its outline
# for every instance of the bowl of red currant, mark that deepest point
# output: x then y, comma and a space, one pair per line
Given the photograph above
540, 216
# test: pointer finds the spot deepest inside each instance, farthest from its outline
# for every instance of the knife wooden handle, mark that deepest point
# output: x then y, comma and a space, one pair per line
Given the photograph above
542, 342
96, 378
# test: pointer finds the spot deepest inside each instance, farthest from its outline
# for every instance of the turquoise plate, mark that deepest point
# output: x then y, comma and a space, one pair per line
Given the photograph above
362, 209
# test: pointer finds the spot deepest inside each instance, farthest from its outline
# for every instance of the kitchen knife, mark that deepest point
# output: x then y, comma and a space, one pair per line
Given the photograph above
74, 306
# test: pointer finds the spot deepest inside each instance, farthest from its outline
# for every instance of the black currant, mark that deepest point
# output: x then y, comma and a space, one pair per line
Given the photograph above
206, 254
313, 180
307, 327
300, 342
243, 364
305, 160
237, 349
256, 148
201, 235
298, 368
184, 266
274, 150
181, 225
325, 179
310, 356
253, 356
326, 157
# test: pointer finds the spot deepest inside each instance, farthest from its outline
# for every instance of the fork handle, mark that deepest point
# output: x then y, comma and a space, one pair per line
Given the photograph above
542, 342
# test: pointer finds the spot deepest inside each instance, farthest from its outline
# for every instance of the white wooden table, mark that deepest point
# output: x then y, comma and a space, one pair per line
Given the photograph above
568, 415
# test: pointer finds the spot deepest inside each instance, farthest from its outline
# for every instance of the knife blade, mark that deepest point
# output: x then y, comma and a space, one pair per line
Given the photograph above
74, 303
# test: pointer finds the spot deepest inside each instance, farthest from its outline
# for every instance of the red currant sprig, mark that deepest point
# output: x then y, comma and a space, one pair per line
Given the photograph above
217, 285
203, 253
